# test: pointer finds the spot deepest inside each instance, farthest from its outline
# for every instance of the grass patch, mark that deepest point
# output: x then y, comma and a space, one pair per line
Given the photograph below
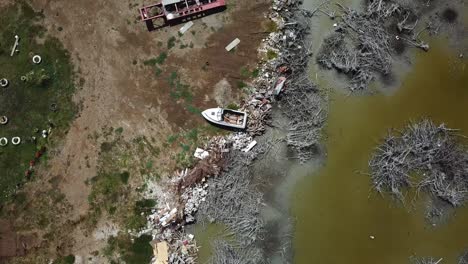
136, 252
241, 84
107, 189
245, 72
158, 60
171, 42
255, 73
271, 26
178, 89
70, 259
233, 106
271, 54
28, 102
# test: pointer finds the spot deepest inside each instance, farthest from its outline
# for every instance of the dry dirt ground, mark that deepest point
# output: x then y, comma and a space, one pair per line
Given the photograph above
108, 46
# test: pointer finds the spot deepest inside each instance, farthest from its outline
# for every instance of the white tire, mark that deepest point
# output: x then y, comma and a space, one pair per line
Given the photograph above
3, 141
3, 120
36, 59
4, 82
16, 141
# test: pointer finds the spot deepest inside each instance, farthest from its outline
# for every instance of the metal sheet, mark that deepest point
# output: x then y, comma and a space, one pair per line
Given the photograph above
170, 2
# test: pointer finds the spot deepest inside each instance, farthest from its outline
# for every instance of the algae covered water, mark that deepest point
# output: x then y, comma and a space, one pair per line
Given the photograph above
335, 209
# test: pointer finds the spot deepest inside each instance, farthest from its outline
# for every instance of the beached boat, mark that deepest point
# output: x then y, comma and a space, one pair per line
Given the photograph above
226, 117
279, 84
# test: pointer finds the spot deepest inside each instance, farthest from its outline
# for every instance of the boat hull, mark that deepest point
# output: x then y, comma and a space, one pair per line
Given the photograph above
212, 116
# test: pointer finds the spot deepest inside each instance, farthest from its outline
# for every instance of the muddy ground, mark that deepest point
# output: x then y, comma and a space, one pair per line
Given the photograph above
120, 89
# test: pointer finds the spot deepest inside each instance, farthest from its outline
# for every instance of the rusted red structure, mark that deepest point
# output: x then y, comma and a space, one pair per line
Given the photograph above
180, 10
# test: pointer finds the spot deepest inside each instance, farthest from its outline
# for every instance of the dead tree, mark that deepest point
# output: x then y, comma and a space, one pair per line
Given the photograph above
360, 45
430, 150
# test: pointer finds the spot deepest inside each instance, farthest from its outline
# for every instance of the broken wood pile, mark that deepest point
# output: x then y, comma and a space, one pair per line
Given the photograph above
301, 102
425, 260
234, 202
463, 258
361, 44
207, 167
304, 108
426, 149
224, 253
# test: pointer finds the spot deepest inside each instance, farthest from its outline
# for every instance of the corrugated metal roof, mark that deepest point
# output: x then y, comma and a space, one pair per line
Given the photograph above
170, 2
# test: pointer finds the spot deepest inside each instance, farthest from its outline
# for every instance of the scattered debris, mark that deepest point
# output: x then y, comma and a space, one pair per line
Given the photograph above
250, 146
233, 44
36, 59
219, 187
168, 218
279, 84
186, 27
15, 46
4, 82
201, 153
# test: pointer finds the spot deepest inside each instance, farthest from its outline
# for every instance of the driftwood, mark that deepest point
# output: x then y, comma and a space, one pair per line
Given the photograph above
463, 258
360, 45
427, 149
205, 168
224, 253
301, 102
425, 260
233, 201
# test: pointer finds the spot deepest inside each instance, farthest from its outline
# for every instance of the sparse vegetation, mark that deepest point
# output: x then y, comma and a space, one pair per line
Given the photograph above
241, 84
271, 54
70, 259
122, 248
158, 60
271, 26
171, 42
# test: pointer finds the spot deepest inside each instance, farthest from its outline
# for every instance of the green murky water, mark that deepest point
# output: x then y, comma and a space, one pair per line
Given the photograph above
336, 211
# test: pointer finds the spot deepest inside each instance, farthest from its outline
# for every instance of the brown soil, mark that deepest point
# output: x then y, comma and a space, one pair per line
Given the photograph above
105, 40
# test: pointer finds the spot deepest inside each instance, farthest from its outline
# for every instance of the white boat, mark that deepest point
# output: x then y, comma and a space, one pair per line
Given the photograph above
226, 117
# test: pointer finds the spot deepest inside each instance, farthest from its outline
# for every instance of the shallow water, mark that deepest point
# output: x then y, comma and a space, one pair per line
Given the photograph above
335, 209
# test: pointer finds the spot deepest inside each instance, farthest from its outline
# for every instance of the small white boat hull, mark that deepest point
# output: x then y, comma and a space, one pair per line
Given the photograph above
226, 117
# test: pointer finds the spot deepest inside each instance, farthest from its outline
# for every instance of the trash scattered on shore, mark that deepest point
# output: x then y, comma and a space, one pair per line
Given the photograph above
218, 188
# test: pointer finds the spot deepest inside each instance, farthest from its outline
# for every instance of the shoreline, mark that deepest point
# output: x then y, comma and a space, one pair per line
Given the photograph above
194, 186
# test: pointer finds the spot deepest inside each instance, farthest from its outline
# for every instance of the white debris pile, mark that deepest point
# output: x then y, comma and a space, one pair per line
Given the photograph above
239, 140
192, 198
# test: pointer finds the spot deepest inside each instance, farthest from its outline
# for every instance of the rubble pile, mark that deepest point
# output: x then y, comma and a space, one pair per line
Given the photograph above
192, 198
